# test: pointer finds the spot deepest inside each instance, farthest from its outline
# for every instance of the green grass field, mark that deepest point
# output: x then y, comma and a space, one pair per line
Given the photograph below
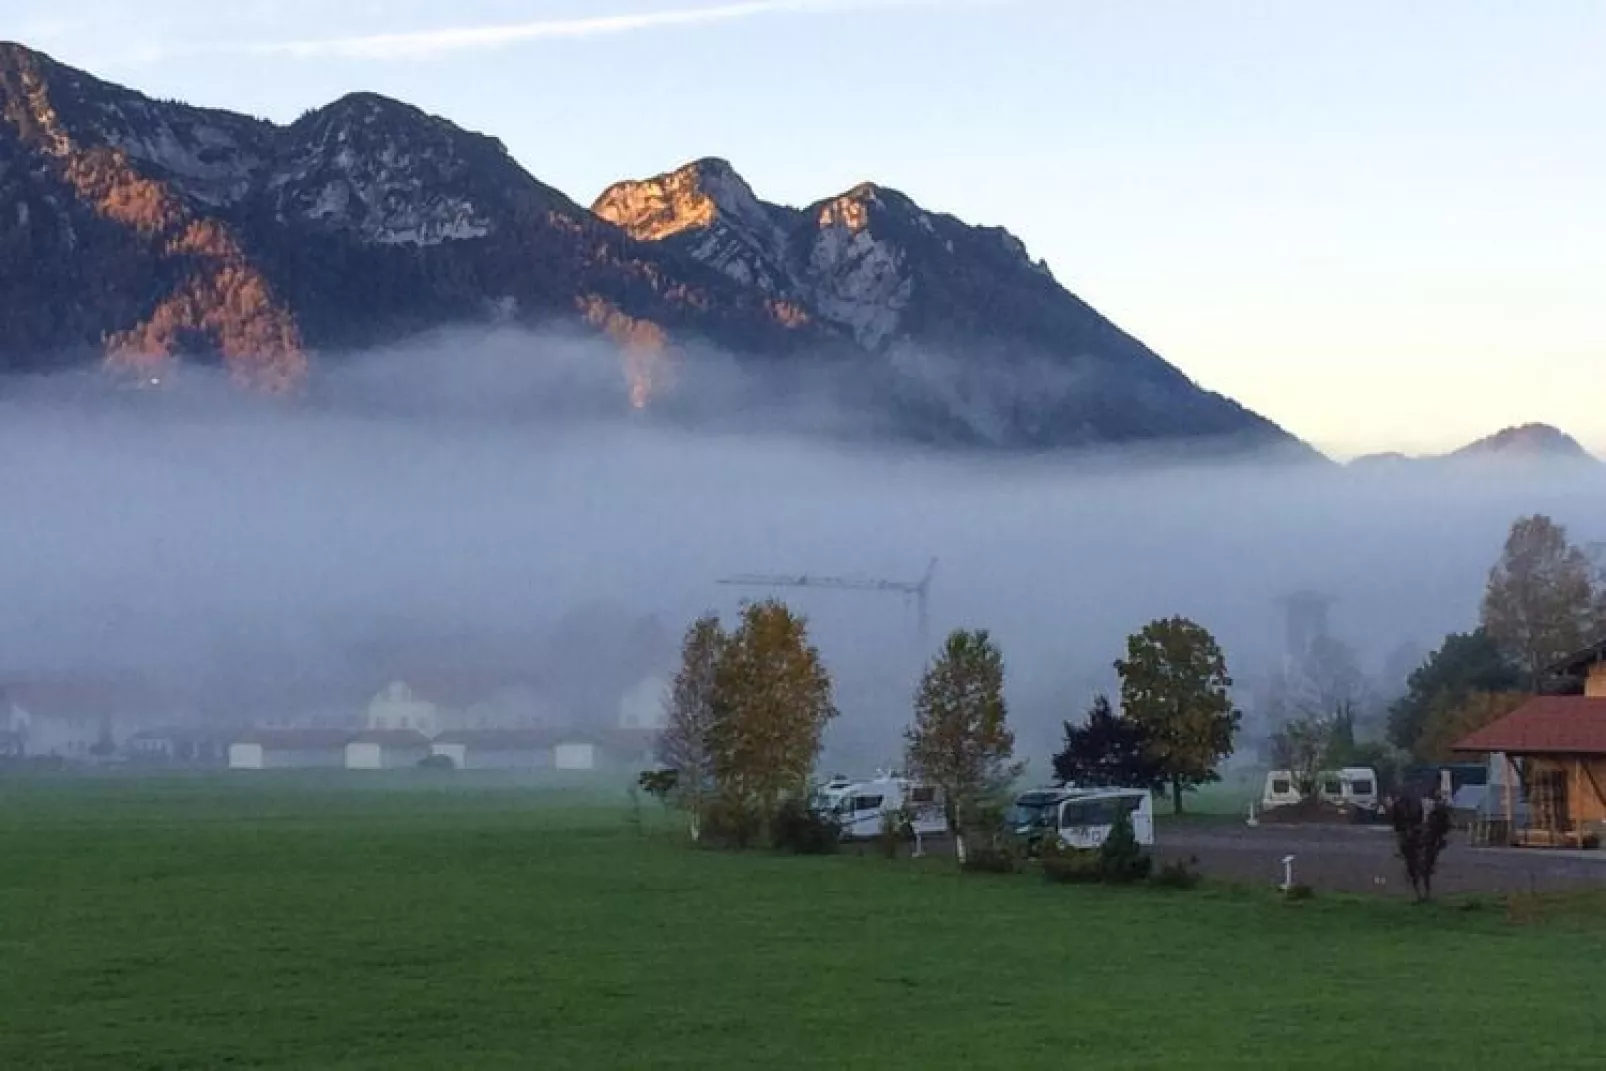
303, 923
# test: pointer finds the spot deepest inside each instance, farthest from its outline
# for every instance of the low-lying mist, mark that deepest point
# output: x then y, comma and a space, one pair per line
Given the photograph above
473, 490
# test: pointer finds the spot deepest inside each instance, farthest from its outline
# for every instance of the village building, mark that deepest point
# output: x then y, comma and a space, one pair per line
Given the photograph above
399, 707
285, 749
1548, 760
575, 752
498, 749
386, 749
81, 718
183, 745
435, 705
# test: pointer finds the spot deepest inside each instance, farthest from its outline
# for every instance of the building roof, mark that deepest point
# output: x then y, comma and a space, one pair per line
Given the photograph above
632, 739
391, 738
1579, 661
86, 696
178, 732
503, 739
297, 739
1548, 725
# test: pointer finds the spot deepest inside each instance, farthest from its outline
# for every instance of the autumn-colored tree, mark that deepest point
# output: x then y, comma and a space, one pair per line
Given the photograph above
772, 702
1540, 602
686, 744
1453, 717
960, 741
1174, 682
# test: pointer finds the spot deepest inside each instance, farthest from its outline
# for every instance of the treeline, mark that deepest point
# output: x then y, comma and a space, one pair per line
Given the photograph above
749, 706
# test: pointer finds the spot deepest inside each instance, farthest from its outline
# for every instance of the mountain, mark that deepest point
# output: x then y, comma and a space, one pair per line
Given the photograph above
1524, 443
1527, 442
148, 235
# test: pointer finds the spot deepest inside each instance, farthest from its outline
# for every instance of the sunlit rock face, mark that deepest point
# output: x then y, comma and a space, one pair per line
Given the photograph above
148, 236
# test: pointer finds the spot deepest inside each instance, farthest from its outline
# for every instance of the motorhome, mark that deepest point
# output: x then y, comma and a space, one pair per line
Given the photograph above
1032, 814
1352, 786
860, 807
1085, 817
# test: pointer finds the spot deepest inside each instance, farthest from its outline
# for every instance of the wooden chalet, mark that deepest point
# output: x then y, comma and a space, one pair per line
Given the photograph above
1549, 759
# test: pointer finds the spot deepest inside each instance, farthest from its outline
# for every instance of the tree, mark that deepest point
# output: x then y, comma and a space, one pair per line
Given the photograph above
1107, 750
1174, 683
1539, 604
1465, 664
686, 744
1421, 832
1301, 747
772, 702
960, 741
1451, 718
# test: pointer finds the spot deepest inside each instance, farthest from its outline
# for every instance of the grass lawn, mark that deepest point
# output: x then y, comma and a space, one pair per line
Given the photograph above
297, 923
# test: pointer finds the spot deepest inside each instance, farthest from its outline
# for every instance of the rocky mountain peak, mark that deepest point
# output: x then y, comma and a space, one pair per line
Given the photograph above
692, 197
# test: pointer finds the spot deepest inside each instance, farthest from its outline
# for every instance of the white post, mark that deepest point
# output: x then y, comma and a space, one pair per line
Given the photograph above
1288, 873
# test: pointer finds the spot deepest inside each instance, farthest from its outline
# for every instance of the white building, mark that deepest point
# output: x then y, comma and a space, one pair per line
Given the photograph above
398, 706
642, 707
498, 749
386, 749
80, 718
289, 749
575, 753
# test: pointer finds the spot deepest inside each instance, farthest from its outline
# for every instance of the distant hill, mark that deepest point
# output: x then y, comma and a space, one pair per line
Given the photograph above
144, 235
1524, 443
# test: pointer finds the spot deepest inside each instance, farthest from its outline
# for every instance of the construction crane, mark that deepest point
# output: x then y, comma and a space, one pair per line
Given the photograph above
919, 590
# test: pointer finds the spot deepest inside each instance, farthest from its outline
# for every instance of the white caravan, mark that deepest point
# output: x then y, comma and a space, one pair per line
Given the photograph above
1353, 786
1086, 817
859, 806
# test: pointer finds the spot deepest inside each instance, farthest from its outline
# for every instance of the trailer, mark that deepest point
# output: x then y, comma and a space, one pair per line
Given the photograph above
861, 807
1352, 786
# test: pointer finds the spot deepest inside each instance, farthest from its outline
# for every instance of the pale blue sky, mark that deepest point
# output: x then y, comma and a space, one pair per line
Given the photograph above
1382, 224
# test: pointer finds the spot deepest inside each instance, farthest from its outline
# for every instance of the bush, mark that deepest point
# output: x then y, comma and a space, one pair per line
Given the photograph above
1122, 860
896, 831
727, 824
1068, 866
437, 762
991, 859
1178, 875
801, 830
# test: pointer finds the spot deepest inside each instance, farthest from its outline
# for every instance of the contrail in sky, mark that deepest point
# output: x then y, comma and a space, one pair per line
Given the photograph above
426, 43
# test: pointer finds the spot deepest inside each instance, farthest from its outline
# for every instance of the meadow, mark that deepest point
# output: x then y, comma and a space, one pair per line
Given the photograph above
431, 922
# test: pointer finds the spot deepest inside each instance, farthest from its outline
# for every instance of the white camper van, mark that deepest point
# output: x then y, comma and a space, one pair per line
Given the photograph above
1353, 786
1085, 817
859, 806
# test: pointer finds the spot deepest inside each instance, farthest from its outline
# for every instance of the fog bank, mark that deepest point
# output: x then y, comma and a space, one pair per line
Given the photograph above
454, 501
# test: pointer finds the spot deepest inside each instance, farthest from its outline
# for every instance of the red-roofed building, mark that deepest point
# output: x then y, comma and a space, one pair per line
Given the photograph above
1552, 751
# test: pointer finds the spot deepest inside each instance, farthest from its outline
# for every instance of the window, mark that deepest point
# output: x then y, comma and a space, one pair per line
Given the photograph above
854, 804
1281, 787
1078, 814
1332, 788
1361, 788
923, 794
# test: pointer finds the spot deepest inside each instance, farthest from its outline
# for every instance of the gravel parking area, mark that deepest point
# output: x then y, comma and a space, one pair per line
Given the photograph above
1362, 859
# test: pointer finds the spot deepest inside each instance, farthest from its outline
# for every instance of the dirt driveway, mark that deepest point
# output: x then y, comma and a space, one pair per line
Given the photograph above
1362, 859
